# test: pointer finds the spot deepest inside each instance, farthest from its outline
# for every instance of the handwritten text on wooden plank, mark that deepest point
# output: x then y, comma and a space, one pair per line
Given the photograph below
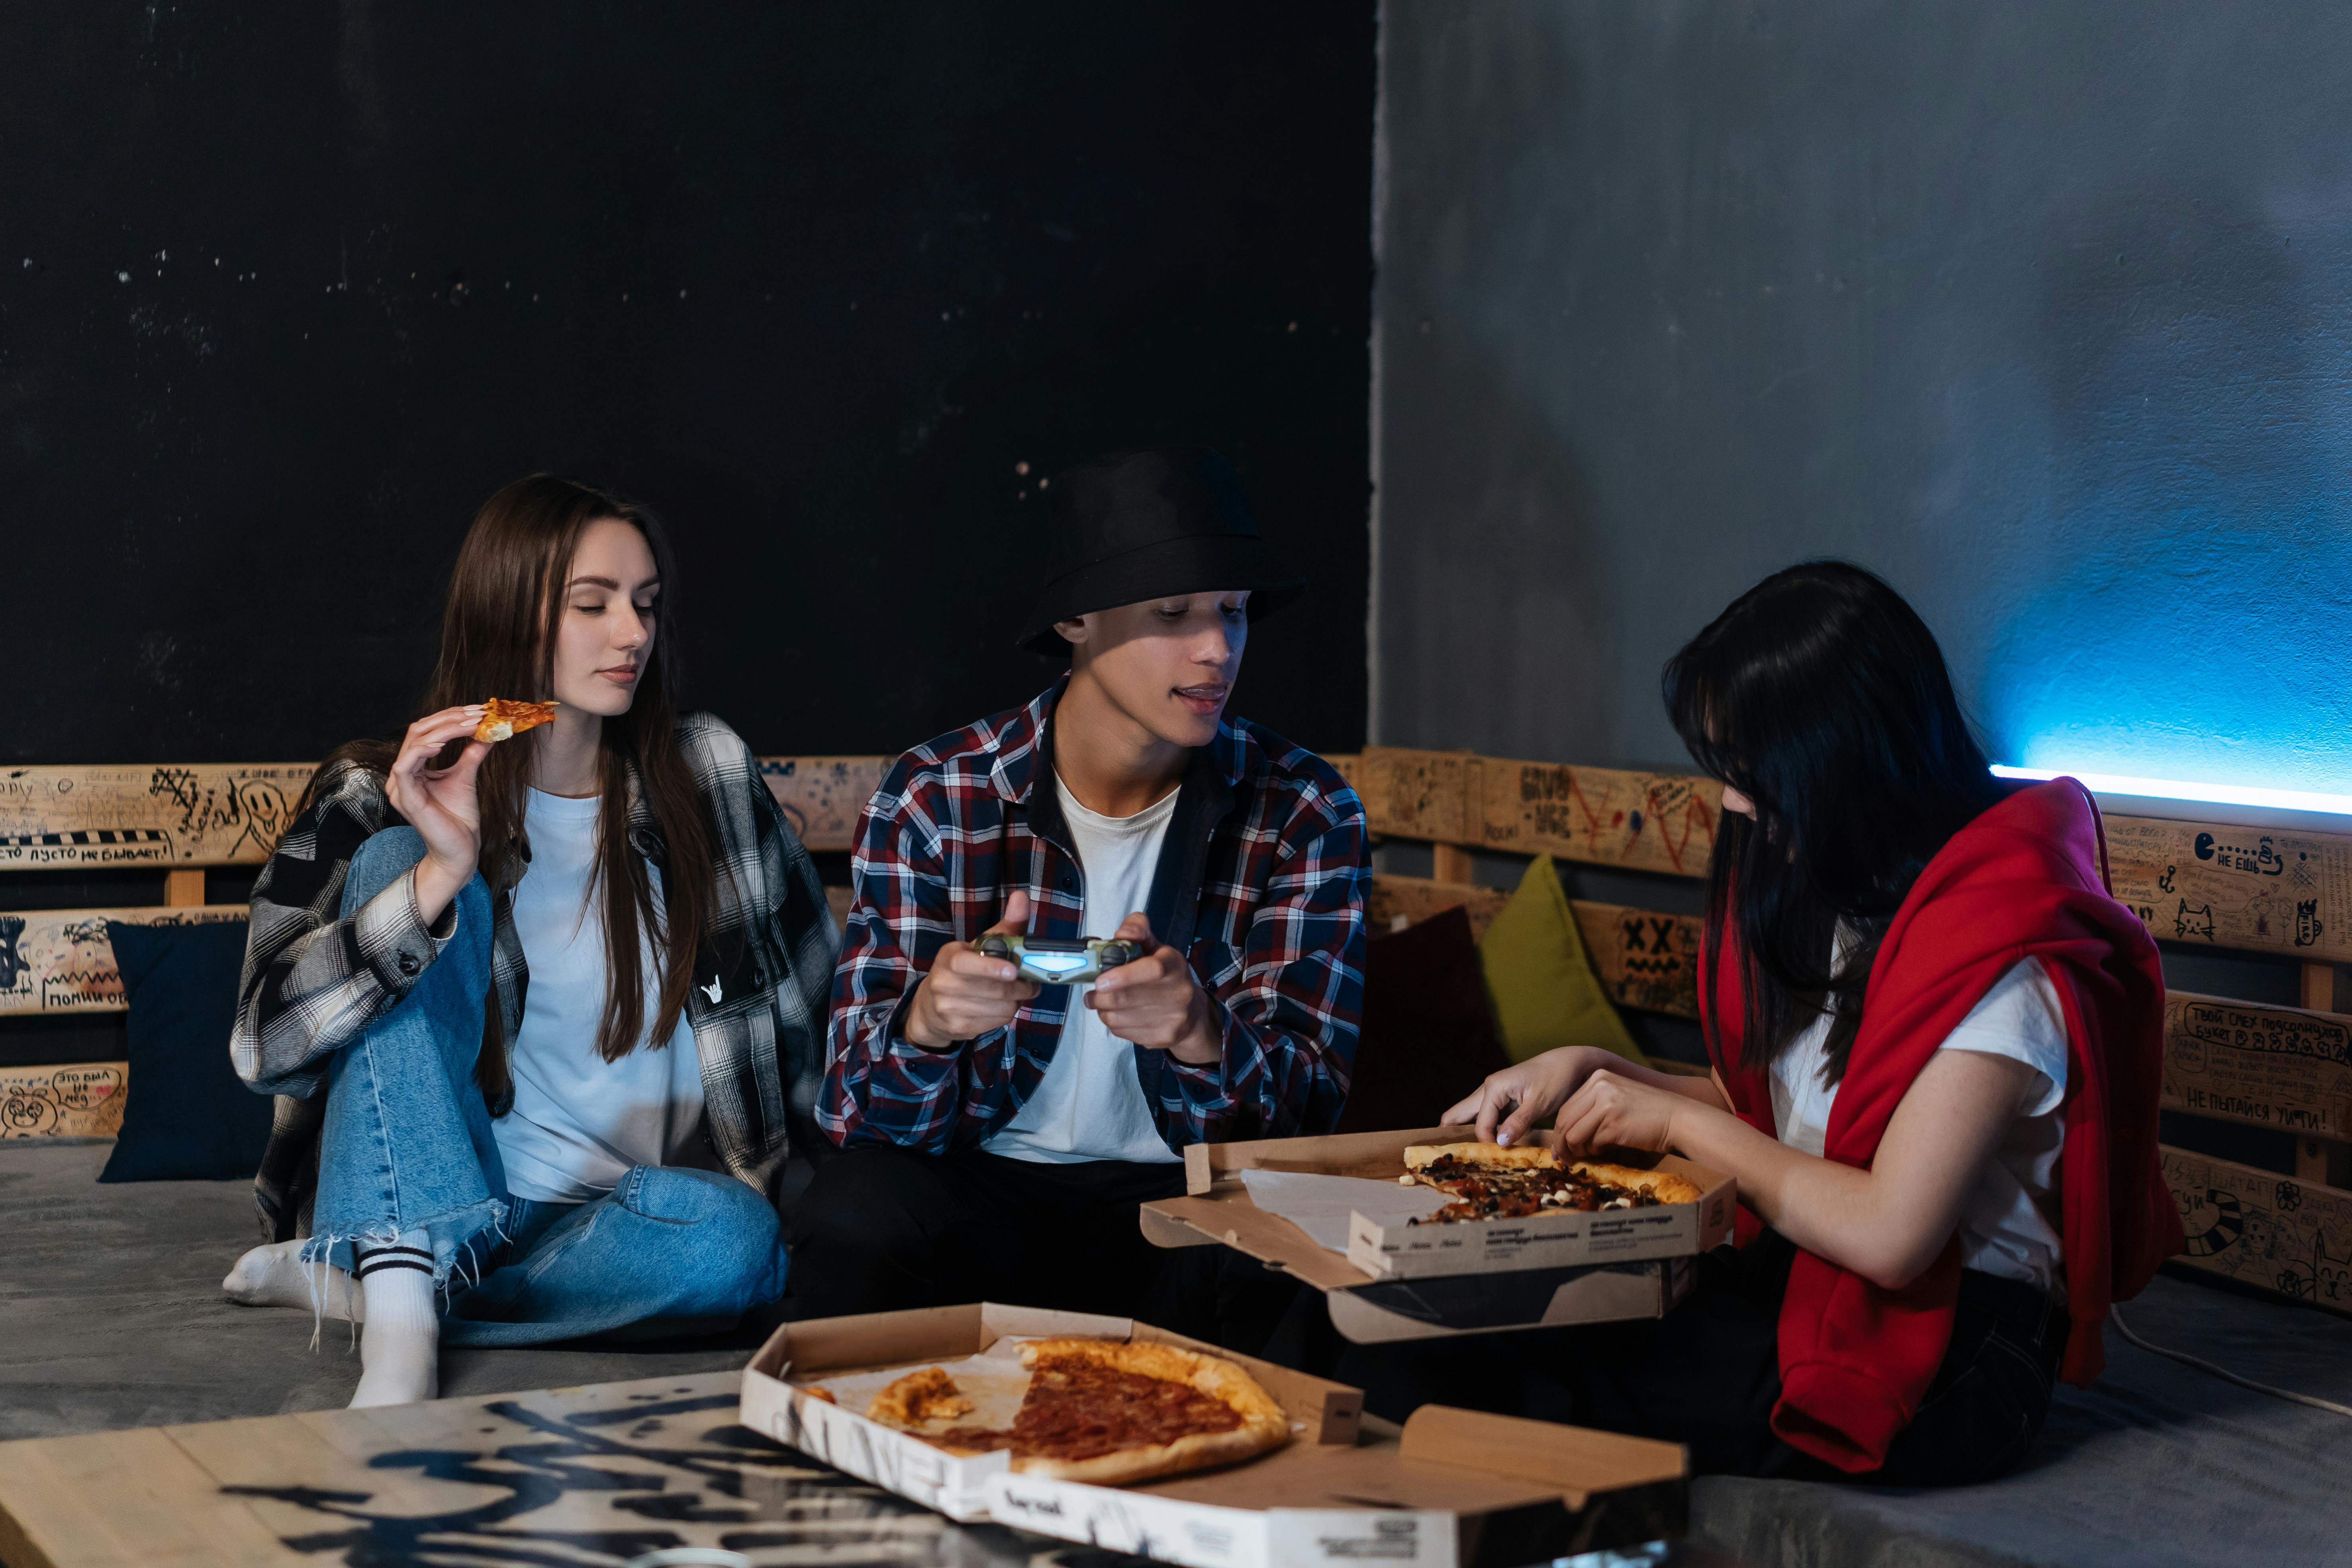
80, 1101
221, 814
2273, 1066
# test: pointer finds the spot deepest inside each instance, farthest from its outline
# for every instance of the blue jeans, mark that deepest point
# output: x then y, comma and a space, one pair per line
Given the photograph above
407, 1149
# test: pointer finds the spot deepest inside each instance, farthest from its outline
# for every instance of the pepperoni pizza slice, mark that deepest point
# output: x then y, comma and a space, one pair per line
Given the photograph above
1102, 1412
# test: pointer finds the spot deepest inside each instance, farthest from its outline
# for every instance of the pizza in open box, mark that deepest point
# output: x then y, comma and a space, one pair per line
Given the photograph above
1102, 1412
1492, 1181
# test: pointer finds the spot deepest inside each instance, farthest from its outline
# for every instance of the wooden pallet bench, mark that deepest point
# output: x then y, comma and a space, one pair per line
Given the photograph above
2285, 893
183, 822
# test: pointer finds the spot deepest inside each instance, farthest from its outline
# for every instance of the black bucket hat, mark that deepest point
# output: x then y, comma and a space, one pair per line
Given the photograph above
1133, 526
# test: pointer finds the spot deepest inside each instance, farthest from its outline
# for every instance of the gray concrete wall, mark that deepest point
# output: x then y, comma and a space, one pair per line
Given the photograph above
2040, 309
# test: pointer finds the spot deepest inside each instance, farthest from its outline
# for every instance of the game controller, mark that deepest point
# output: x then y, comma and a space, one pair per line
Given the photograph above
1052, 961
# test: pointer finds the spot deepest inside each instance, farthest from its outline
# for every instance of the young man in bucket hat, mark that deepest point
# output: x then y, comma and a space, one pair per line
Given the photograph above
998, 1135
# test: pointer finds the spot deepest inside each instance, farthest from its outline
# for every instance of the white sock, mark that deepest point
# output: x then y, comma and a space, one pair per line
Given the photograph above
276, 1275
400, 1349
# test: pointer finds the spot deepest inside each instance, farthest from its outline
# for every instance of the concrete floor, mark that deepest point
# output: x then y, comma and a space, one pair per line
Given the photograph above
111, 1315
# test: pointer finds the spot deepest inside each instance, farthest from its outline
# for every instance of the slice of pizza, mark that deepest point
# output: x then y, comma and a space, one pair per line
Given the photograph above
1665, 1186
928, 1395
1110, 1414
504, 718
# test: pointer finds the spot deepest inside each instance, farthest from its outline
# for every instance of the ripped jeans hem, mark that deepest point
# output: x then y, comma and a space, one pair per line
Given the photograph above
456, 1236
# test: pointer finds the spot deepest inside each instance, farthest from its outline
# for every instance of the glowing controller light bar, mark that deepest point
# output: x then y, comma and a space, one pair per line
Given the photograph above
2172, 789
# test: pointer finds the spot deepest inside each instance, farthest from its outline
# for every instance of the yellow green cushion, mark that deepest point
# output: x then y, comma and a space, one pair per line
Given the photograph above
1544, 993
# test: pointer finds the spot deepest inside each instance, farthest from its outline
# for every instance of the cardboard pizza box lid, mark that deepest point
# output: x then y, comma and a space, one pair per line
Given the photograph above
1459, 1461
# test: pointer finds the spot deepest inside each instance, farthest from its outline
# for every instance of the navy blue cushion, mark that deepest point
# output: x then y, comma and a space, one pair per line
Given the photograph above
188, 1117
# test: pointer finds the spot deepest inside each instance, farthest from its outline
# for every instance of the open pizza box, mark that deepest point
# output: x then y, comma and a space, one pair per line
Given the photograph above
1396, 1281
1453, 1489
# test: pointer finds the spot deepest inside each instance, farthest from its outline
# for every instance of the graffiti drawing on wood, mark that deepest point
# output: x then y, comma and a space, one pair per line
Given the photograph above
2235, 886
1648, 822
213, 814
84, 1100
822, 796
2263, 1228
61, 961
1644, 960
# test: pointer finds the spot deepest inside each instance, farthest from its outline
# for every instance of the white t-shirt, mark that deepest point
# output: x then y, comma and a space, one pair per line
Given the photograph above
579, 1122
2006, 1229
1090, 1105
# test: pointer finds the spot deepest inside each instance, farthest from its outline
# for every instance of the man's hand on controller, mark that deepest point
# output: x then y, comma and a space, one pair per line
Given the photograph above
1154, 1002
966, 994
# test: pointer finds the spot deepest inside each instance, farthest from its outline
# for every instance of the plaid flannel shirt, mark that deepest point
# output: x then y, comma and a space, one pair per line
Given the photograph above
314, 981
1261, 883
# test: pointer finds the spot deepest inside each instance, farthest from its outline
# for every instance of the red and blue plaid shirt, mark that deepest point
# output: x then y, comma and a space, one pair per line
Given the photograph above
1261, 882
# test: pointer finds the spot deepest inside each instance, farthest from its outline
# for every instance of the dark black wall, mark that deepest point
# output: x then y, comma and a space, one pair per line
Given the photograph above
288, 287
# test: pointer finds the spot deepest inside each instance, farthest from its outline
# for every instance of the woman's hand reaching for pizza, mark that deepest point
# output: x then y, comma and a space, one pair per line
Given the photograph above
1513, 1102
1610, 1108
1525, 1096
441, 806
1154, 1002
966, 994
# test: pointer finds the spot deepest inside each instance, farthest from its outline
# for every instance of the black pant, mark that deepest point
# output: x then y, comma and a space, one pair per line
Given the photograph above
1707, 1374
883, 1228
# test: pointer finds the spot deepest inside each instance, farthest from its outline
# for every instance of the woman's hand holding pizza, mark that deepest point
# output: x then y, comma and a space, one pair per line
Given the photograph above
966, 994
1611, 1109
441, 806
1154, 1002
1527, 1094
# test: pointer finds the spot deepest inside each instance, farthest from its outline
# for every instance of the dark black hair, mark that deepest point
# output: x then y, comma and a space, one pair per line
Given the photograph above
1822, 696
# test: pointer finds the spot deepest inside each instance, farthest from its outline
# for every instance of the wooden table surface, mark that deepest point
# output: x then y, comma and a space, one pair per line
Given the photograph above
593, 1475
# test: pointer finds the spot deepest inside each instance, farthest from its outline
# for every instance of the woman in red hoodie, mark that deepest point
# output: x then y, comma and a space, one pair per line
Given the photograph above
1936, 1043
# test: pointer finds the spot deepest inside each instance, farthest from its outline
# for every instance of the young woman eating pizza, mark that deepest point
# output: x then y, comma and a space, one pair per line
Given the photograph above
537, 1012
1937, 1042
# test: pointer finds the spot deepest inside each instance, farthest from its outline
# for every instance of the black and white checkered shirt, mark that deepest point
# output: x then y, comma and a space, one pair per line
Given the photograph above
314, 981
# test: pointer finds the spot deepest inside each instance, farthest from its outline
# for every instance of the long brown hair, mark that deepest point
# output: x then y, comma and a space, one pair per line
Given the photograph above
498, 633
